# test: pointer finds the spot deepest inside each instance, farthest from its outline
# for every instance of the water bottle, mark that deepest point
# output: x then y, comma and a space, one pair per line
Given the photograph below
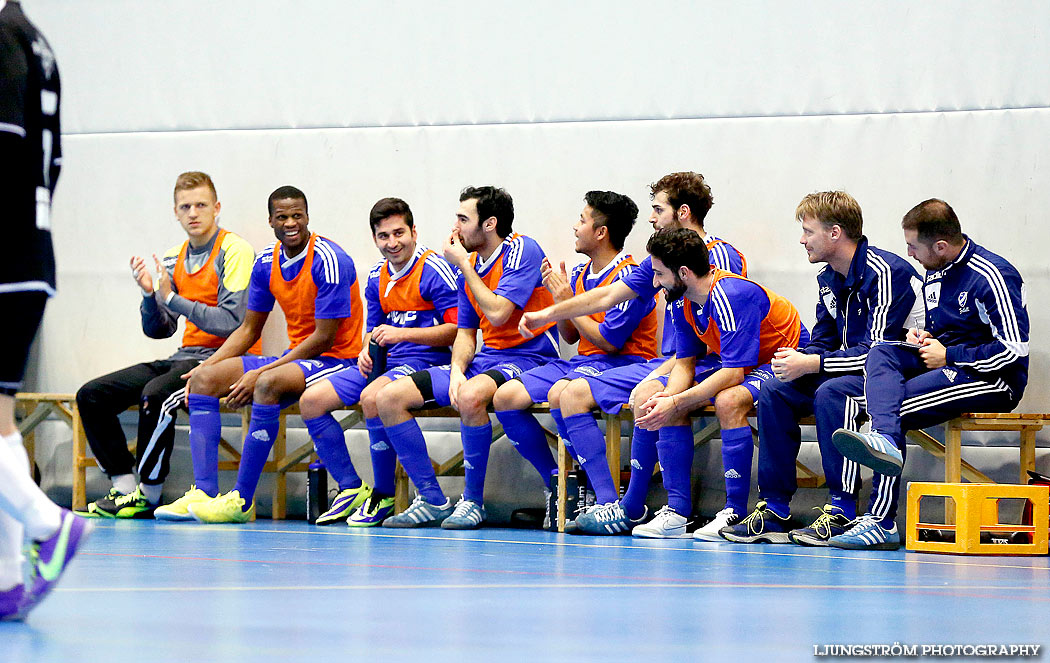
316, 491
378, 354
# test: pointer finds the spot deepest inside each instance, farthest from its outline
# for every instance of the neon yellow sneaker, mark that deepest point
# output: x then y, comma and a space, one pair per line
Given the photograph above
345, 504
228, 508
179, 509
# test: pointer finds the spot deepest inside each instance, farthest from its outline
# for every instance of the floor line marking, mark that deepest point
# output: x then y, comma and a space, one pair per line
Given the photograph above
699, 548
641, 585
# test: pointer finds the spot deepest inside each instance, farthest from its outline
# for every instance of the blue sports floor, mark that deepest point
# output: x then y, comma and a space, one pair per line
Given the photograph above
287, 591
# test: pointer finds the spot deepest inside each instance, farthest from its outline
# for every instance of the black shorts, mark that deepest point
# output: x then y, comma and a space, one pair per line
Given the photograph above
22, 312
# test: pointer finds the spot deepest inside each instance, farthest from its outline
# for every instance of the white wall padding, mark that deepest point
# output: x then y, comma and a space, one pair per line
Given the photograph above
250, 64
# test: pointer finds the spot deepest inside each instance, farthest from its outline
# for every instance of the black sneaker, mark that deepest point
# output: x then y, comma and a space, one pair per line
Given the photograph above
761, 526
132, 505
831, 522
103, 507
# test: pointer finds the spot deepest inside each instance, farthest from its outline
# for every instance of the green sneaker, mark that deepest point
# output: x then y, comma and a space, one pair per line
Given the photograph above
344, 504
374, 511
179, 509
228, 508
132, 505
103, 507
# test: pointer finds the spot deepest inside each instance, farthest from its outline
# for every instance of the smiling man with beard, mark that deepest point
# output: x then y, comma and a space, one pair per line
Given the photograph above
315, 283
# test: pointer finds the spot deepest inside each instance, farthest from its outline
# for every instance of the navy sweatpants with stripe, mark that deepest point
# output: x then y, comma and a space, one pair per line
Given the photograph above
901, 394
836, 403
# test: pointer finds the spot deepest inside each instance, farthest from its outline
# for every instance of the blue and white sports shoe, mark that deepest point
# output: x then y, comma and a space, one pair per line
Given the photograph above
873, 450
468, 514
867, 534
420, 513
603, 519
763, 525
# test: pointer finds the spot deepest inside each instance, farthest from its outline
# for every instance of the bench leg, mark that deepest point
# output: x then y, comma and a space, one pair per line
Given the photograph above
79, 461
952, 464
563, 475
612, 446
1027, 453
400, 488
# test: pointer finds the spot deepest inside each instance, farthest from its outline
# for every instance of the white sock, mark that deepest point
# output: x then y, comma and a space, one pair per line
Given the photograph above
10, 552
151, 492
125, 483
20, 497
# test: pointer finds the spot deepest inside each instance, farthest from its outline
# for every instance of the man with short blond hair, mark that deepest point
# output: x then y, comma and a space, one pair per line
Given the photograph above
204, 280
865, 296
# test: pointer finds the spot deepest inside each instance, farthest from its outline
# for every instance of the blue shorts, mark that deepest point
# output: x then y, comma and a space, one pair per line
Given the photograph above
433, 382
313, 370
612, 388
538, 381
349, 383
752, 381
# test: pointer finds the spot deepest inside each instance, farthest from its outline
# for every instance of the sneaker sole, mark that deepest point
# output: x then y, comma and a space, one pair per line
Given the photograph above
458, 526
856, 449
173, 517
704, 536
808, 541
145, 514
654, 535
765, 537
865, 546
331, 520
401, 525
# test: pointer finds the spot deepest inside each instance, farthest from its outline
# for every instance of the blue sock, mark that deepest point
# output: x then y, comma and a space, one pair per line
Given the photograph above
476, 443
563, 433
590, 445
777, 506
257, 445
411, 448
205, 433
529, 438
675, 450
384, 458
331, 448
643, 462
737, 450
846, 503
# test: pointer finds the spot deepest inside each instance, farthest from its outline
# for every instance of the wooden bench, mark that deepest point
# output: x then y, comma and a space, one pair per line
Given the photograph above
806, 477
33, 409
955, 468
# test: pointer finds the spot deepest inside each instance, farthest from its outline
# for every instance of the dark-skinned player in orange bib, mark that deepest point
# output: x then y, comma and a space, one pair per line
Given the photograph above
315, 283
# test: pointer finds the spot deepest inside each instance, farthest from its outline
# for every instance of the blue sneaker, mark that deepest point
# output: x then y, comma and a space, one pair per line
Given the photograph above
602, 519
763, 525
374, 511
420, 513
873, 450
49, 559
867, 534
830, 523
468, 514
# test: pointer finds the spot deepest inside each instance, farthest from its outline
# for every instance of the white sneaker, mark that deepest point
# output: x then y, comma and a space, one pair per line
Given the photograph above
666, 524
710, 531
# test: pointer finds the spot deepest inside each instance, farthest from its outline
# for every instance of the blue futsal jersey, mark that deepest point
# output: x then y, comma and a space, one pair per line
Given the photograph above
622, 326
512, 272
721, 254
422, 294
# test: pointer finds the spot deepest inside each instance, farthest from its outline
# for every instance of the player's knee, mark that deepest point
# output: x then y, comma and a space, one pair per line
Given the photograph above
391, 399
575, 397
310, 404
88, 395
473, 398
268, 387
554, 395
644, 392
207, 381
368, 401
733, 404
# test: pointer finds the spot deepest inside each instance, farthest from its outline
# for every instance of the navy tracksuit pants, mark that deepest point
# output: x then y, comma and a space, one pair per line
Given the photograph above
836, 402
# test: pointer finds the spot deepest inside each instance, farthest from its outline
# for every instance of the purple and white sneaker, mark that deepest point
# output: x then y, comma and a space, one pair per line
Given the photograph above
48, 559
12, 603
